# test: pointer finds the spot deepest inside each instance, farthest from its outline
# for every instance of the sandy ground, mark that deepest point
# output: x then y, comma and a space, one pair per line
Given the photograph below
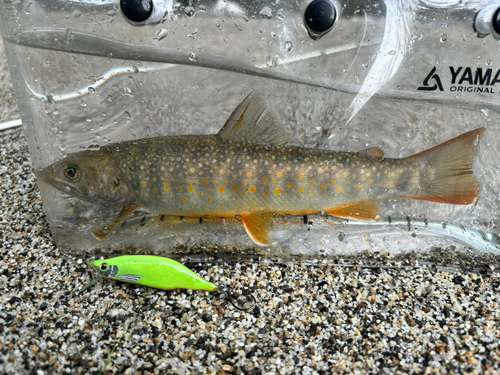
302, 319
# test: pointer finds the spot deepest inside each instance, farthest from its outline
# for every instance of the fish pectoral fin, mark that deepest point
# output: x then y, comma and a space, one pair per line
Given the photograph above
128, 277
364, 210
251, 122
257, 226
102, 231
371, 152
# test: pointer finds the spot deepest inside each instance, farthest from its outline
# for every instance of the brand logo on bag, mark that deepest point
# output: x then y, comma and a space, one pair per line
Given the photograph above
463, 79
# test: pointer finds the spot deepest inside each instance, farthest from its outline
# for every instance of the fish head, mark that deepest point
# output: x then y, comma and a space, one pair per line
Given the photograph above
91, 176
104, 267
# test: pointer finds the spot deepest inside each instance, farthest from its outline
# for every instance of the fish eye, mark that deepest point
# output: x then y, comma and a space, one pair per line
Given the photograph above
103, 266
73, 173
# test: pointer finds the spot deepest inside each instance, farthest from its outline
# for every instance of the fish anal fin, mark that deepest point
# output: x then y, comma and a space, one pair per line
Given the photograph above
258, 226
101, 232
365, 210
252, 122
371, 152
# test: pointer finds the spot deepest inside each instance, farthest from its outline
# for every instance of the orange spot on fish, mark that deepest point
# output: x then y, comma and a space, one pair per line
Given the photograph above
234, 175
210, 190
155, 190
179, 188
235, 187
310, 191
244, 183
279, 174
200, 193
339, 189
264, 195
312, 181
171, 196
214, 182
301, 175
322, 187
136, 191
190, 187
233, 200
209, 199
205, 181
154, 179
384, 180
146, 194
320, 170
221, 171
226, 181
332, 182
251, 189
273, 180
183, 198
166, 187
242, 193
370, 181
290, 185
264, 180
345, 174
249, 174
180, 174
300, 190
357, 186
221, 189
277, 190
143, 184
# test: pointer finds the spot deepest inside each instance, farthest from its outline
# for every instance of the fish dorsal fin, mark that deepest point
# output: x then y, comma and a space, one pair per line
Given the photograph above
371, 152
258, 226
250, 122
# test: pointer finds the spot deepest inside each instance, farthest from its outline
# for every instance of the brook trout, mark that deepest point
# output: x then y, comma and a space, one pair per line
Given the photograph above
247, 171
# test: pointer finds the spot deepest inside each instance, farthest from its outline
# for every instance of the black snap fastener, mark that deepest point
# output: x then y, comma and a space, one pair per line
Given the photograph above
320, 16
136, 10
496, 21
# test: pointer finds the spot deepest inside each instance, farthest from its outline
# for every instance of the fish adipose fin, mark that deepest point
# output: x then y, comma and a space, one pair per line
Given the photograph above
371, 152
448, 175
102, 231
365, 210
258, 226
250, 122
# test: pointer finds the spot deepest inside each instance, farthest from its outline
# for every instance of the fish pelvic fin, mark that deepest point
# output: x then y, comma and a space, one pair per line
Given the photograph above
446, 170
250, 122
258, 226
365, 210
101, 232
373, 152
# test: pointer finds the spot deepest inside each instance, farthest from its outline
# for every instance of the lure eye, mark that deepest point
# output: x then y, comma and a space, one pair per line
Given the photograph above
103, 266
72, 173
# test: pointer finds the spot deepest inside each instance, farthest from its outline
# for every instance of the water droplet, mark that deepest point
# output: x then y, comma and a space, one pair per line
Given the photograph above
202, 8
77, 13
485, 111
83, 103
392, 53
56, 111
63, 148
270, 62
88, 119
97, 135
443, 38
488, 62
266, 12
160, 34
91, 90
192, 57
189, 11
48, 62
288, 46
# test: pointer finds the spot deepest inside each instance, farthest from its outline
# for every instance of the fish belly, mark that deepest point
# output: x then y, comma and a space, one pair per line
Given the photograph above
205, 175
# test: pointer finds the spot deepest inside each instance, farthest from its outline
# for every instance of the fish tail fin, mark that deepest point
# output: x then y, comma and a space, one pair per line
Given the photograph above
446, 171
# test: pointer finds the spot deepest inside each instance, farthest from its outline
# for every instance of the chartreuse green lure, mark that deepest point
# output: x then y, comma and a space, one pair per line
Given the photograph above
154, 271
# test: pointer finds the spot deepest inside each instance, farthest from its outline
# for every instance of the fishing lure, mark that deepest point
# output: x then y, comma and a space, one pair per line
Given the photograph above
149, 270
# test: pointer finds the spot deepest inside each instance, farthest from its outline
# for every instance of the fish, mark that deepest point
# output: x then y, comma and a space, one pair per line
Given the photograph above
150, 270
248, 171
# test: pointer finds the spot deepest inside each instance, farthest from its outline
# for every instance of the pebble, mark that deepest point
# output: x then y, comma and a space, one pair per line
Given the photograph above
346, 316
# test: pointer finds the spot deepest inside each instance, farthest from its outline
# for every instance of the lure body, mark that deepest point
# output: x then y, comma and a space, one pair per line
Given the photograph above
149, 270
